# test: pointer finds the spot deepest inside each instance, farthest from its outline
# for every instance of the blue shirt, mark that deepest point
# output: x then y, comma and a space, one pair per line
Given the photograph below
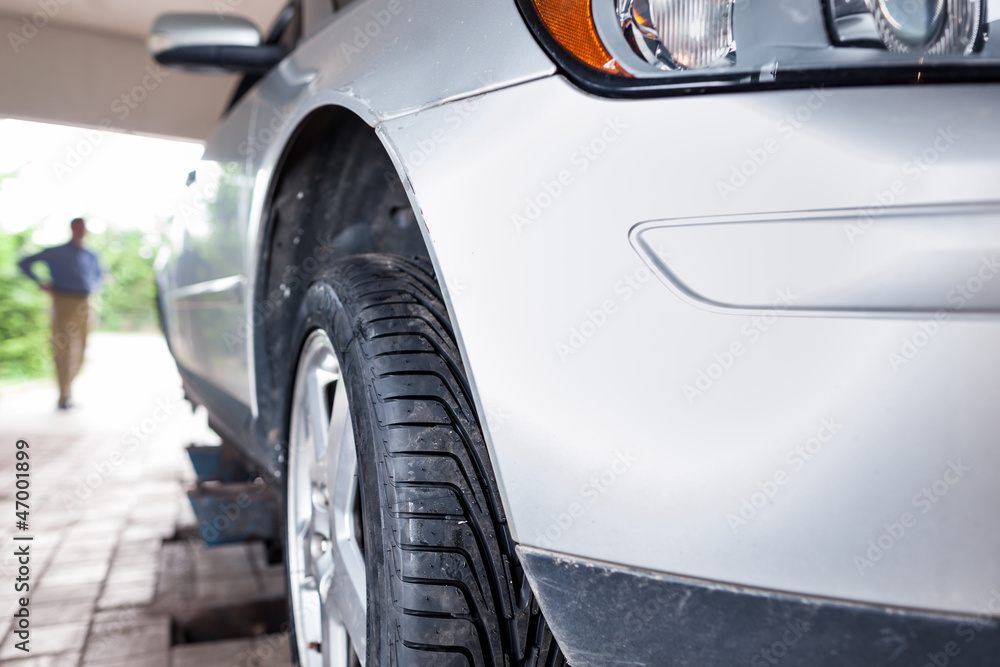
73, 269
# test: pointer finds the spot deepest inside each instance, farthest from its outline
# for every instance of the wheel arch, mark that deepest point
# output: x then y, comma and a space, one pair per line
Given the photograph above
328, 136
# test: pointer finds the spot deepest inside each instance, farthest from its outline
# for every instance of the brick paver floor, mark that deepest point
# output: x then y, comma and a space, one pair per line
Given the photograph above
108, 482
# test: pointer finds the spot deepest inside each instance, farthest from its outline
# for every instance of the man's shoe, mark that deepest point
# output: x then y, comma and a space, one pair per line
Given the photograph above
65, 404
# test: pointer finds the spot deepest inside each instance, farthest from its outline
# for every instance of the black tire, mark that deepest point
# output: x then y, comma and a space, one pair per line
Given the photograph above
444, 584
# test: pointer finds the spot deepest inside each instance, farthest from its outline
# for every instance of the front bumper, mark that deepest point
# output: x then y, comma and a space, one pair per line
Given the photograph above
707, 426
605, 614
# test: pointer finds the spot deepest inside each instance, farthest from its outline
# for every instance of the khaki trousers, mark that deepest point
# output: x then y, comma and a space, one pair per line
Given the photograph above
70, 321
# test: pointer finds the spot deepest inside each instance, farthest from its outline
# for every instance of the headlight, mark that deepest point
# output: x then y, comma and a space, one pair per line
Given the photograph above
649, 46
680, 34
909, 26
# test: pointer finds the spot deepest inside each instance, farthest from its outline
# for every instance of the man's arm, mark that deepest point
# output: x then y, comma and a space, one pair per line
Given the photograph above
26, 263
94, 273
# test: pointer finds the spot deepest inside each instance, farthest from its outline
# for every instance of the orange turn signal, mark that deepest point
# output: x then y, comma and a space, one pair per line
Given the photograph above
571, 25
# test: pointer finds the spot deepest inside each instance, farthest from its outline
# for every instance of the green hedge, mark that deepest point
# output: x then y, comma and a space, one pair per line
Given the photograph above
24, 337
128, 293
126, 303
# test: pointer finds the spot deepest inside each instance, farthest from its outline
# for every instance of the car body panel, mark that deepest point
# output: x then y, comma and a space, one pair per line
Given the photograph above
909, 261
213, 337
365, 61
204, 279
611, 433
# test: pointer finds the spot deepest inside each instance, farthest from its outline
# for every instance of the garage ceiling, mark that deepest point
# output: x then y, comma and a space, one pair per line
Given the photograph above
81, 66
133, 18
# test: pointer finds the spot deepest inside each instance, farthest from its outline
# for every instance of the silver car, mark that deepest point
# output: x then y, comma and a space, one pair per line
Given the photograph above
657, 332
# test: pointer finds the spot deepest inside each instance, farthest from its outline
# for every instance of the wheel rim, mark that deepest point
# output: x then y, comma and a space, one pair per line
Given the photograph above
325, 540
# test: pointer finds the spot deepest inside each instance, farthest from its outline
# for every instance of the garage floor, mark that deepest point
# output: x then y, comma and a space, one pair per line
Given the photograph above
116, 576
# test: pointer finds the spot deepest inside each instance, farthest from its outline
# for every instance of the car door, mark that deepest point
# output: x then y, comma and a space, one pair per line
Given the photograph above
206, 276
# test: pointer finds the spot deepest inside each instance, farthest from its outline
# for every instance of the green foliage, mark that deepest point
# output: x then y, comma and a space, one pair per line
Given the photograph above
126, 303
24, 323
128, 295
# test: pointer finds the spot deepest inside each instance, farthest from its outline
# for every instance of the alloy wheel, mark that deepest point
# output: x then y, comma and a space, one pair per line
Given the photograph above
326, 566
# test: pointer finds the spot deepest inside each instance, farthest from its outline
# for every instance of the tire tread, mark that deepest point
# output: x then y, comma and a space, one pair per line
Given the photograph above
445, 535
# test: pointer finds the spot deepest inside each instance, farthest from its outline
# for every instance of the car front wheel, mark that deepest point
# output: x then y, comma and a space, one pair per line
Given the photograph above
397, 548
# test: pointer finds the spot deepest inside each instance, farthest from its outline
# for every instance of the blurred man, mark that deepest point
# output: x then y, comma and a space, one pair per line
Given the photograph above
75, 274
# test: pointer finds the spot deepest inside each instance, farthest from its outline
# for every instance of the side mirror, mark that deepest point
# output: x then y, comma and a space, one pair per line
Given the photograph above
211, 43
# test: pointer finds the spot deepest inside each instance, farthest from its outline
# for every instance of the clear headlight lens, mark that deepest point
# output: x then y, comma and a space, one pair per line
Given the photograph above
633, 45
909, 26
680, 34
